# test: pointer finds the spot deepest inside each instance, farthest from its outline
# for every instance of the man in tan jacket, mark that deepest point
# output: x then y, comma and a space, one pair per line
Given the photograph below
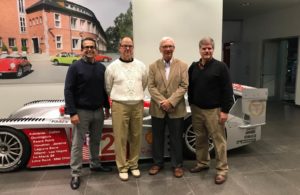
167, 84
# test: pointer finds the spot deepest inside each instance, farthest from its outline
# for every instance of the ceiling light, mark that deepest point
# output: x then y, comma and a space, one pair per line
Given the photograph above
245, 4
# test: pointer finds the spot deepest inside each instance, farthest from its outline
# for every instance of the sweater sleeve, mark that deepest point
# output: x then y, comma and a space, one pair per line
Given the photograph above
190, 87
105, 96
227, 91
69, 91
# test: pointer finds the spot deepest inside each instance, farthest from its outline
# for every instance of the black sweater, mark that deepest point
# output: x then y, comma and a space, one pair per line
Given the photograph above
210, 86
85, 87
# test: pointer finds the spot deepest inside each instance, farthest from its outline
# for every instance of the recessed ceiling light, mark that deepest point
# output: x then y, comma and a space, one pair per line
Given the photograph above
245, 4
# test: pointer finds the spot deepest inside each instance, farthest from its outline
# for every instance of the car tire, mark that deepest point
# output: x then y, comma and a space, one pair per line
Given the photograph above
14, 150
20, 72
74, 61
105, 60
189, 140
55, 62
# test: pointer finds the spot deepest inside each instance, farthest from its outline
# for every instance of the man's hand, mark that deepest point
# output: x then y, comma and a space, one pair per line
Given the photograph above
223, 117
106, 113
75, 119
166, 105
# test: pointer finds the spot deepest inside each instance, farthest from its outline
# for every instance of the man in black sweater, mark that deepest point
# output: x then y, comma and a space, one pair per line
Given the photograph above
210, 96
85, 98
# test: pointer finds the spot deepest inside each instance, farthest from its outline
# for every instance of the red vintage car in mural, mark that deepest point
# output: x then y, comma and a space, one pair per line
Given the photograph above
15, 65
102, 58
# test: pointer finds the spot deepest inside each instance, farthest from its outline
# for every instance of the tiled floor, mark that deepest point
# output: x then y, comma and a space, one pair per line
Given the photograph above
269, 166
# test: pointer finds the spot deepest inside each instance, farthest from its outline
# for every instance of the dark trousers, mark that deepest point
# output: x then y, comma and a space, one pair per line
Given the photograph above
175, 126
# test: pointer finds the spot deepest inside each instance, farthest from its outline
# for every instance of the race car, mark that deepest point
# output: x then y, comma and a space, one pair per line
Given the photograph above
39, 133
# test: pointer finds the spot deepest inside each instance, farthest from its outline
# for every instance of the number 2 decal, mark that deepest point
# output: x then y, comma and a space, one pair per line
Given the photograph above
107, 149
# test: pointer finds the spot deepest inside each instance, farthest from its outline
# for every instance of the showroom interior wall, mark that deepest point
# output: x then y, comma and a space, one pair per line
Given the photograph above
278, 24
185, 21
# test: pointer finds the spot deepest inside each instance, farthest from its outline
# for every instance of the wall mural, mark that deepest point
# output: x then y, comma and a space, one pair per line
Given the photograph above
39, 39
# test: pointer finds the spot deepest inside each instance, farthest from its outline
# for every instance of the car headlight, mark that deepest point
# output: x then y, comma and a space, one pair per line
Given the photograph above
12, 65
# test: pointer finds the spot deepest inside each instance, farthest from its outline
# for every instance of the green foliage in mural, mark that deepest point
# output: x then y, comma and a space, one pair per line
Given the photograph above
123, 27
4, 47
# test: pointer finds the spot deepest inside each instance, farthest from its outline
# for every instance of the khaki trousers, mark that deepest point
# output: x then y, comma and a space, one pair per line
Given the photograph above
206, 124
127, 122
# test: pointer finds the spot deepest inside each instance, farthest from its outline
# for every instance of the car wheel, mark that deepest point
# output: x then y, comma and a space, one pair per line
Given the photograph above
189, 140
74, 61
105, 60
20, 72
55, 62
14, 150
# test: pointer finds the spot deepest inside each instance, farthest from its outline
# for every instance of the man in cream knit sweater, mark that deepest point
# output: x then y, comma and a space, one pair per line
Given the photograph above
126, 80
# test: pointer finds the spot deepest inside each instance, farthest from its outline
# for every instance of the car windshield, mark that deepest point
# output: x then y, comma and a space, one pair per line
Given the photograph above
15, 57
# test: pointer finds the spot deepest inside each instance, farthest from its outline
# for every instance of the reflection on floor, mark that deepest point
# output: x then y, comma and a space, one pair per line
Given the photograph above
269, 166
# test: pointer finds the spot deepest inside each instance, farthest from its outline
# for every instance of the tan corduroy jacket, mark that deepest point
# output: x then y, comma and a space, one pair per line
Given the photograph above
172, 89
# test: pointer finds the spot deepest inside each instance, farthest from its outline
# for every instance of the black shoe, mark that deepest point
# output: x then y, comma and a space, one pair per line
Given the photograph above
75, 182
101, 169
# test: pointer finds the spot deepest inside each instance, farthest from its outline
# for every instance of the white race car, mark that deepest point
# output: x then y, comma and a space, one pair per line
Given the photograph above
39, 133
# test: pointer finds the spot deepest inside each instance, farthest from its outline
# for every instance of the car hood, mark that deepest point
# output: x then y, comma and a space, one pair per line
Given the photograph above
39, 109
5, 63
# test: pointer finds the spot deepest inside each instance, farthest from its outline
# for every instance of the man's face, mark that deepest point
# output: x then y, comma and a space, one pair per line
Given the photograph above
167, 48
89, 49
126, 49
206, 51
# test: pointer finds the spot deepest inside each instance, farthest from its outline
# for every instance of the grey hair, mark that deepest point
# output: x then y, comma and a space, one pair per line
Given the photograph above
207, 40
165, 39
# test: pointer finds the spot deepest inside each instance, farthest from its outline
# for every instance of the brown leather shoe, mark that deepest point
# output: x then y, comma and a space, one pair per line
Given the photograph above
198, 168
154, 170
178, 172
219, 179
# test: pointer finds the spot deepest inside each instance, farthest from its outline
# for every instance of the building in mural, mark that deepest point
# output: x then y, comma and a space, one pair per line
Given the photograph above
47, 26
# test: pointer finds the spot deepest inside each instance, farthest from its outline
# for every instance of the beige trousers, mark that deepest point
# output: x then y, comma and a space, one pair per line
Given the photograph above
206, 124
127, 124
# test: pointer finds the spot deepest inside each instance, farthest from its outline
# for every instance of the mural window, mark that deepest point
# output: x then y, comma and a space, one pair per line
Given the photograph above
89, 26
82, 22
73, 23
94, 28
24, 42
57, 20
11, 42
21, 6
1, 44
58, 41
41, 20
22, 25
75, 43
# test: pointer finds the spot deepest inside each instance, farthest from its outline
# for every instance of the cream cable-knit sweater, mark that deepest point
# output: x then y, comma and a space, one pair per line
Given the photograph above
126, 82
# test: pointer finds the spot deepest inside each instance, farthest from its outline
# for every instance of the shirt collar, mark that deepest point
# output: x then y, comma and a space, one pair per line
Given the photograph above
85, 59
168, 64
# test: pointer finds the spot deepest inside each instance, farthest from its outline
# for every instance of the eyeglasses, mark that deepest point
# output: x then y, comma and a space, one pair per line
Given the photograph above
168, 46
127, 46
89, 47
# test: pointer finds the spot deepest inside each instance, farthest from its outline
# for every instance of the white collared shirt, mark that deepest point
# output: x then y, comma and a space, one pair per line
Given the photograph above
167, 68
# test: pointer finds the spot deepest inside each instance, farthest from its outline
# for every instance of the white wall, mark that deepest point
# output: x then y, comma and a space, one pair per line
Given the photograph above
186, 21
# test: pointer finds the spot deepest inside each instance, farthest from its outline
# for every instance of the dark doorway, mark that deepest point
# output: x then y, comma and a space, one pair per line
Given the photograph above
35, 45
